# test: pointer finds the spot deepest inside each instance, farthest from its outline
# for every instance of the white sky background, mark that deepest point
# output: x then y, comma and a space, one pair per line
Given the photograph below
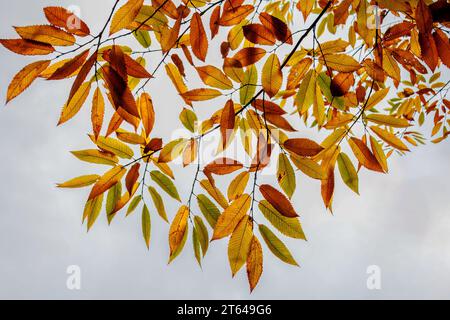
400, 223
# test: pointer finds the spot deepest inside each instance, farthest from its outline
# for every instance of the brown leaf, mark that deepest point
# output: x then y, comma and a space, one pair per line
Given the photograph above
249, 56
278, 200
132, 177
278, 27
227, 122
303, 147
259, 34
27, 47
223, 166
70, 67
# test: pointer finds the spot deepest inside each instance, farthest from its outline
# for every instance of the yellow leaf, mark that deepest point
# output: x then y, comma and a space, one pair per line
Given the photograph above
172, 150
254, 263
340, 62
290, 227
378, 151
308, 167
92, 210
178, 229
201, 94
146, 226
239, 244
348, 172
238, 186
390, 138
248, 85
80, 182
125, 15
230, 218
114, 146
286, 175
387, 120
376, 98
215, 193
108, 180
96, 156
46, 34
272, 77
214, 77
75, 104
25, 77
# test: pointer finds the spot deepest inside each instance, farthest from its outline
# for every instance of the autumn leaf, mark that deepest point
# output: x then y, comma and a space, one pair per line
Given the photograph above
278, 201
254, 263
272, 77
276, 246
25, 78
125, 15
231, 217
199, 41
108, 180
178, 228
46, 34
239, 245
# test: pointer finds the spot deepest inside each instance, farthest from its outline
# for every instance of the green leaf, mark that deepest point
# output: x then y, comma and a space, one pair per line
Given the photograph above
348, 172
92, 210
146, 225
143, 37
189, 119
290, 227
209, 210
202, 234
166, 184
248, 85
286, 175
114, 195
158, 202
196, 245
275, 245
133, 204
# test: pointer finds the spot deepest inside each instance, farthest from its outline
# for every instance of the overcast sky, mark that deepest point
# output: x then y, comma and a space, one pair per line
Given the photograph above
401, 222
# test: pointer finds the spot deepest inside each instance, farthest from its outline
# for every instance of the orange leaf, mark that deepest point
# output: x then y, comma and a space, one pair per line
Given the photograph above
199, 41
132, 177
70, 67
61, 17
27, 47
147, 113
25, 78
249, 56
107, 181
125, 15
227, 122
303, 147
98, 112
259, 34
178, 229
254, 263
364, 155
223, 166
278, 200
278, 27
47, 34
